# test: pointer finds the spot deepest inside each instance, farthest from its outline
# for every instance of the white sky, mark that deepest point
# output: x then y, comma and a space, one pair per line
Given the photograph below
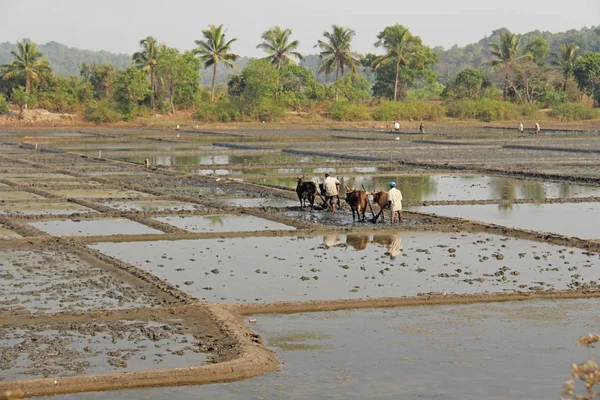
118, 25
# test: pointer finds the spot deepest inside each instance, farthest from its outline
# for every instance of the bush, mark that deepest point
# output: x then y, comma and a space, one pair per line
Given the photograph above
265, 111
411, 110
101, 112
573, 111
3, 105
347, 111
486, 110
217, 112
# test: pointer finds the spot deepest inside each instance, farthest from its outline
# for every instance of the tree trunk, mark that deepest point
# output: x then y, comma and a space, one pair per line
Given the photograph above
337, 73
27, 89
153, 88
171, 95
212, 91
396, 82
506, 83
565, 83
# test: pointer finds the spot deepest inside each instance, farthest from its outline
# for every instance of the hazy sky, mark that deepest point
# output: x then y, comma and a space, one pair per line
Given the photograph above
118, 26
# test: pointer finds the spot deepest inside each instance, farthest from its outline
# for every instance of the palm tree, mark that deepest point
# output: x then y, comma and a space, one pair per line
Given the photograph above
146, 61
565, 60
28, 62
215, 49
506, 54
276, 45
336, 53
399, 43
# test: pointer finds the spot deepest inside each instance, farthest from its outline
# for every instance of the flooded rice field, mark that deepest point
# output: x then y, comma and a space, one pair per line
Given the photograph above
165, 271
494, 351
570, 219
355, 266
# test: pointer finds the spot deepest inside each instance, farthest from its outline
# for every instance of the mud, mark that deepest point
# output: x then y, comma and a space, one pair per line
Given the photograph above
93, 228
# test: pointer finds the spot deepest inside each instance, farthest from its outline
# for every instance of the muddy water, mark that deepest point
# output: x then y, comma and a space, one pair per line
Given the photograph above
355, 266
293, 172
570, 219
224, 223
261, 202
99, 194
194, 159
460, 352
53, 281
43, 208
152, 205
454, 187
92, 348
101, 227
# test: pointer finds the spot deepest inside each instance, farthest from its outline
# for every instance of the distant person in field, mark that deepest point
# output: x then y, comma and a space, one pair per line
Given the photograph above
396, 126
395, 202
537, 129
520, 128
332, 187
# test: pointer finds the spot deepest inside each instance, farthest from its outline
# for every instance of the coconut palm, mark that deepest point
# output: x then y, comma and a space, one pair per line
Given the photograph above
506, 55
146, 61
29, 62
275, 43
336, 53
565, 60
399, 45
213, 50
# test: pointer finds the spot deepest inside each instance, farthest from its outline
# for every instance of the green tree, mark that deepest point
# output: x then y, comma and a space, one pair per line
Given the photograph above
565, 61
130, 88
539, 50
260, 81
400, 45
506, 53
275, 43
146, 60
19, 98
177, 70
213, 50
100, 77
3, 105
298, 88
336, 52
587, 73
29, 63
468, 84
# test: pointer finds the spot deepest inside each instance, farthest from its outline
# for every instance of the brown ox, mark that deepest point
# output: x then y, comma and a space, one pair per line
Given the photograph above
380, 197
306, 191
358, 202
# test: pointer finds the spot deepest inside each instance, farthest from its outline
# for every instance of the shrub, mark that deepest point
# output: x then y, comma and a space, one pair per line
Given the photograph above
347, 111
264, 111
3, 105
101, 112
486, 110
217, 112
573, 111
410, 110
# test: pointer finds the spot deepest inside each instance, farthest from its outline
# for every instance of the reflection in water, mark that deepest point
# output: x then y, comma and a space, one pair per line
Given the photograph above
359, 242
331, 240
512, 189
216, 220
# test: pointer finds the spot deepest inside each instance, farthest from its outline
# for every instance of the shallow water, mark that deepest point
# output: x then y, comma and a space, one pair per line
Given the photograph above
224, 223
260, 202
459, 352
453, 187
100, 227
570, 219
43, 208
99, 193
193, 159
356, 266
152, 205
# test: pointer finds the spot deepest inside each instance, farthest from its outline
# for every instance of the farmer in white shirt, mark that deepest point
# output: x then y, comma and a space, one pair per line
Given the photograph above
395, 201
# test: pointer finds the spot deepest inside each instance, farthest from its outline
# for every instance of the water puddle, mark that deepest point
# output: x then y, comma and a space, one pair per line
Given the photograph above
95, 348
356, 266
100, 227
570, 219
224, 223
43, 208
195, 159
153, 205
54, 281
452, 187
18, 195
99, 193
469, 352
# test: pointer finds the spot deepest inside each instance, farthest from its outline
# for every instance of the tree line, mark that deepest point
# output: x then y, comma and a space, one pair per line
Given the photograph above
163, 79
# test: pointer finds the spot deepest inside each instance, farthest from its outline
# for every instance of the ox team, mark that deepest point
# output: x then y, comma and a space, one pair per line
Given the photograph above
356, 199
